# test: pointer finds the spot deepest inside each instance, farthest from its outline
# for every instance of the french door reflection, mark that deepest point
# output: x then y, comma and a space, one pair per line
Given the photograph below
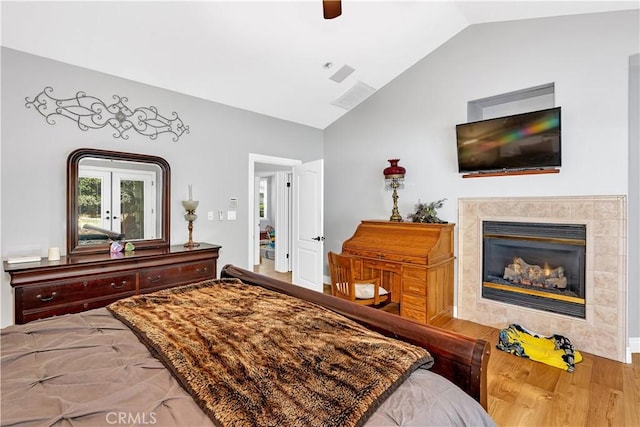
121, 202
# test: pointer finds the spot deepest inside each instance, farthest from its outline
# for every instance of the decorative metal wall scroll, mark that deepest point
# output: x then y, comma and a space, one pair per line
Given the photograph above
91, 113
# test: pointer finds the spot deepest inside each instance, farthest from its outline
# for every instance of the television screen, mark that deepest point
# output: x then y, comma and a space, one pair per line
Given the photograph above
522, 141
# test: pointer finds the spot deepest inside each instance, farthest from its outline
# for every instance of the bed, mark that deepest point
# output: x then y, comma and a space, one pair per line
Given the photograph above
111, 366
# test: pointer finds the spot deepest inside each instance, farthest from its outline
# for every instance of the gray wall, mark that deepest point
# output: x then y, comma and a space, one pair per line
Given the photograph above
213, 157
413, 118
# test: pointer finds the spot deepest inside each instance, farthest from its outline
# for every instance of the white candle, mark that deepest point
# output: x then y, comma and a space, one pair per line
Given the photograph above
54, 254
190, 193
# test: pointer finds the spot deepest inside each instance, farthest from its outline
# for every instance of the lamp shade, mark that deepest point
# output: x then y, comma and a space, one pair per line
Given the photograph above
394, 171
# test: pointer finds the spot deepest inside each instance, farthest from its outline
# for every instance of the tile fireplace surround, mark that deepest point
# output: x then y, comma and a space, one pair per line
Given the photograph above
603, 331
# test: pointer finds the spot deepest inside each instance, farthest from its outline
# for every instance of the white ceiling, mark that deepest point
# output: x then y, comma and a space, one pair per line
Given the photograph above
262, 56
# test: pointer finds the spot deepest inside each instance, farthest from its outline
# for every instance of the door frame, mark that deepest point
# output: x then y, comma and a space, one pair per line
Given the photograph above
252, 226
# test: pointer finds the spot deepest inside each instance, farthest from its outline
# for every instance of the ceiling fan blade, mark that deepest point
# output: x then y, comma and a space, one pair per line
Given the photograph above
331, 8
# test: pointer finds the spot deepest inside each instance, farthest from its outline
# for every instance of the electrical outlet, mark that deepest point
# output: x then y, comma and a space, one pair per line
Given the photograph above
231, 215
210, 215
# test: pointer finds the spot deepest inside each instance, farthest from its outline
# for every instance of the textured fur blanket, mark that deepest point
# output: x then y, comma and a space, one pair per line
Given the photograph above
254, 357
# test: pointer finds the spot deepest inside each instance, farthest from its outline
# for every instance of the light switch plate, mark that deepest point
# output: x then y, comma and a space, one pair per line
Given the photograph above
231, 215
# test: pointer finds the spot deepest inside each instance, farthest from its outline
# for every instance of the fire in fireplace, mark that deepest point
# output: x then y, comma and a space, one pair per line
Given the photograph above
535, 265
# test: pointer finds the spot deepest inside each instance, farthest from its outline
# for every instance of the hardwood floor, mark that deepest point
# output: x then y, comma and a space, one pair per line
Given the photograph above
600, 392
267, 268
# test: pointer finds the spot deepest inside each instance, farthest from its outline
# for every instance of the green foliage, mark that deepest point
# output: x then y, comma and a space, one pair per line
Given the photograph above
89, 195
427, 212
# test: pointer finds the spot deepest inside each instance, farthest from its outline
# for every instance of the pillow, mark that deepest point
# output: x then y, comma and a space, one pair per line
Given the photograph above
366, 290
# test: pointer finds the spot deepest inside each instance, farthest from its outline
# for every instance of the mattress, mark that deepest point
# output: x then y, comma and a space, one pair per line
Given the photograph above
89, 369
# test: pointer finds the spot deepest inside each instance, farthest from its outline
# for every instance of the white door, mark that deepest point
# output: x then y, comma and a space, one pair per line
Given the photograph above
94, 198
123, 202
134, 215
308, 232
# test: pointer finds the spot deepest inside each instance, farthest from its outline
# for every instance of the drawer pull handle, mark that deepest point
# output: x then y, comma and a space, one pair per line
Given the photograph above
45, 299
204, 270
152, 280
122, 285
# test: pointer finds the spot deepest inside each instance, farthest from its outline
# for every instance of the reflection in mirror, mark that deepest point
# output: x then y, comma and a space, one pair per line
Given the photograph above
116, 196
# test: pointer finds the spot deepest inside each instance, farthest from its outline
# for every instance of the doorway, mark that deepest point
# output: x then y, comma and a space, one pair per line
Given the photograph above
273, 219
297, 211
270, 211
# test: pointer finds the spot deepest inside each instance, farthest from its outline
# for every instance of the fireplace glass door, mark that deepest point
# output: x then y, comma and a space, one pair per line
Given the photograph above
535, 265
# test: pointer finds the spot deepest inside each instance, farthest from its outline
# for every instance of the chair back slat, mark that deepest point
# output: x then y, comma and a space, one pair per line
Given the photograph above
343, 281
341, 275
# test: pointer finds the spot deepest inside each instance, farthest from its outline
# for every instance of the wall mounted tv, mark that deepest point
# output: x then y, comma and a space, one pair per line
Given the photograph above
525, 141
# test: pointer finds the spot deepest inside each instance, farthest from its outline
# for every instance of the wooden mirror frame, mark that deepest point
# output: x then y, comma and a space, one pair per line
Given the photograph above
73, 162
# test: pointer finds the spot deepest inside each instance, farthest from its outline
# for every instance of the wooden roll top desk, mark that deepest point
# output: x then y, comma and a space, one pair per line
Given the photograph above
414, 262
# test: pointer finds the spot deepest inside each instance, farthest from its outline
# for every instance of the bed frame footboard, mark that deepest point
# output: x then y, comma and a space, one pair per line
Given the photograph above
460, 359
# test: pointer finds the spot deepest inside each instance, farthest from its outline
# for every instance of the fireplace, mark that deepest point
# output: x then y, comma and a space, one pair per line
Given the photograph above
535, 265
602, 330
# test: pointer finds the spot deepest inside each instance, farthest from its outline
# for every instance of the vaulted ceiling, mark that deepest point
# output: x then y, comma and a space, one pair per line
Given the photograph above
271, 57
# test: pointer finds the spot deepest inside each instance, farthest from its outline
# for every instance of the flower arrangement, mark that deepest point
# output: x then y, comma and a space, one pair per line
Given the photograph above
427, 212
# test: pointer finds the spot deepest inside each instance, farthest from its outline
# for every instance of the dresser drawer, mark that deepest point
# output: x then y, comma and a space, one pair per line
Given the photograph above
393, 267
413, 307
414, 281
177, 274
38, 297
415, 274
412, 286
77, 307
417, 302
387, 256
411, 313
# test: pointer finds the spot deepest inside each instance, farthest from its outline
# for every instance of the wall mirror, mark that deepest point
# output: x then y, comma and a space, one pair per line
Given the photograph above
113, 195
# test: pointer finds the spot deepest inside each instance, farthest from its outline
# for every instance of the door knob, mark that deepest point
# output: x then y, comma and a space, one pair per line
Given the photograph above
318, 238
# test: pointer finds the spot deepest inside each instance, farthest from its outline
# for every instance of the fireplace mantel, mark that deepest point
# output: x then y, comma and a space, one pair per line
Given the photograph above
603, 331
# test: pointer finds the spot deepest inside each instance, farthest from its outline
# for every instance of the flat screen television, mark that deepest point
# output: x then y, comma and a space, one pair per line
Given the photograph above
518, 142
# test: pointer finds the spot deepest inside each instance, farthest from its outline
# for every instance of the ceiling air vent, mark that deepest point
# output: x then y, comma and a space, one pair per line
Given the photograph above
344, 72
354, 96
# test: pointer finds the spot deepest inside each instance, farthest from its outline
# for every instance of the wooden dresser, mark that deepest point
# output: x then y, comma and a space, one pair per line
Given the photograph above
414, 262
82, 282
